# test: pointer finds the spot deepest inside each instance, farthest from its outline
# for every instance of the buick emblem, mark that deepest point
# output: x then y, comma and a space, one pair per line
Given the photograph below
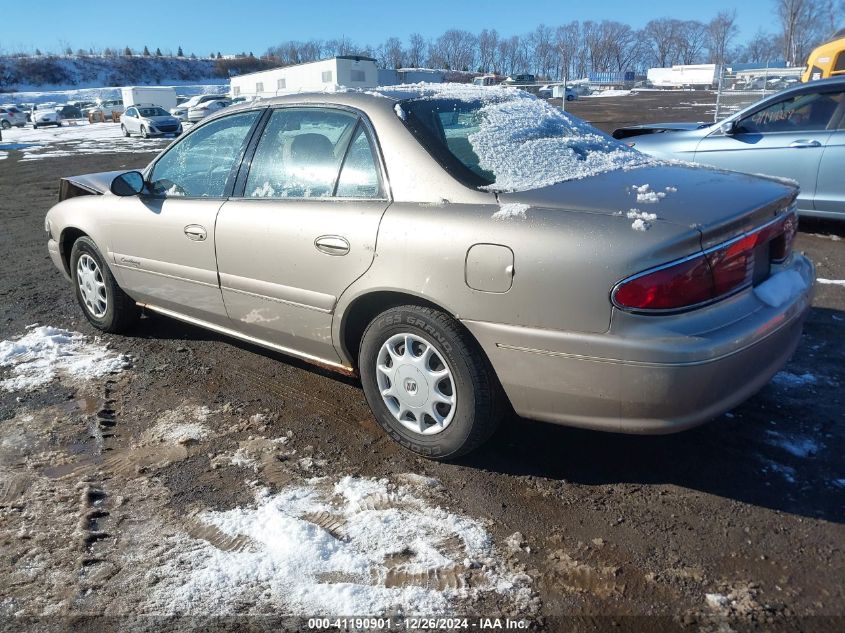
411, 386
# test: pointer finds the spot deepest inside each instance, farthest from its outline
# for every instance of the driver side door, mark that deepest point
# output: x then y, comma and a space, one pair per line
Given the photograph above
163, 240
786, 139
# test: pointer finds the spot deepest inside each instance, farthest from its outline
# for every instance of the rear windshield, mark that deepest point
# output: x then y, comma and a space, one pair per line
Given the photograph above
507, 140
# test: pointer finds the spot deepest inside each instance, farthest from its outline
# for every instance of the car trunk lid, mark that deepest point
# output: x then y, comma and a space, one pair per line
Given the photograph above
719, 204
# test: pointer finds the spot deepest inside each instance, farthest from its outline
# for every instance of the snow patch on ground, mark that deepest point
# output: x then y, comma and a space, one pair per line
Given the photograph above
346, 546
80, 138
46, 353
831, 282
511, 211
788, 379
794, 445
780, 288
182, 425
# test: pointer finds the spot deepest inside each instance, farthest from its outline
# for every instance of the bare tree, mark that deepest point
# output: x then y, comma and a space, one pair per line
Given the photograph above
721, 30
662, 37
803, 24
692, 40
488, 47
762, 48
417, 47
567, 41
455, 50
392, 53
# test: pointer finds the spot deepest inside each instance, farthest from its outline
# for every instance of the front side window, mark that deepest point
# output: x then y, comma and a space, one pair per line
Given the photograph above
805, 112
199, 165
300, 153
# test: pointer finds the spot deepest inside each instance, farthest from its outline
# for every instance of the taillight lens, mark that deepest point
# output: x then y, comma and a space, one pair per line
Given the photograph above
711, 275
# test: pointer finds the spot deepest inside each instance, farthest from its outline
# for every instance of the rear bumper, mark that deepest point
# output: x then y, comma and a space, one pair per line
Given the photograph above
648, 374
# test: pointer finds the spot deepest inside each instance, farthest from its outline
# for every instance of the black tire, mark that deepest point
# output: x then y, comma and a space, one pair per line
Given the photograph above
34, 126
121, 312
479, 398
5, 125
124, 130
144, 133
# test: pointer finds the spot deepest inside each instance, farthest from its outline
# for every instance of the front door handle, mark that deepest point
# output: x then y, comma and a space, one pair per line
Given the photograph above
332, 245
805, 143
195, 232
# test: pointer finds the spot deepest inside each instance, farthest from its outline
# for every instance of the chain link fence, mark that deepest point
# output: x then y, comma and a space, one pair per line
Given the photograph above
739, 89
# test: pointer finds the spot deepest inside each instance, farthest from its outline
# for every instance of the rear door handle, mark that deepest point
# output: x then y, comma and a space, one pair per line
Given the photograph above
805, 143
195, 232
332, 245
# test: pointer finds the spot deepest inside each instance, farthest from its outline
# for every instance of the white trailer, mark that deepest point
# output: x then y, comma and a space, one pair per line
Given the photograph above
164, 96
351, 71
684, 76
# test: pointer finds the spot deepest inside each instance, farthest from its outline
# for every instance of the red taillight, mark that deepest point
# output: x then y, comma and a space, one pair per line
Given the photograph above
711, 275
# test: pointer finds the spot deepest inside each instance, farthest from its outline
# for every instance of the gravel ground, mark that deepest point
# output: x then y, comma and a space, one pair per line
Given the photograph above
118, 494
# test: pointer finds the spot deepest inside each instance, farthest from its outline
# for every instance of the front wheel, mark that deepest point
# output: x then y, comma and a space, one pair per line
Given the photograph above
144, 132
428, 383
104, 303
124, 130
5, 125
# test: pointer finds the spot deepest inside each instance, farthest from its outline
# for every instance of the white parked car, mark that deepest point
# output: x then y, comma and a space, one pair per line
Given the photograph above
181, 110
45, 116
11, 116
149, 120
199, 112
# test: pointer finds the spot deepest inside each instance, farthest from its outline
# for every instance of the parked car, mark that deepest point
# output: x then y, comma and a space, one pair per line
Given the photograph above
45, 116
69, 112
181, 110
149, 120
418, 238
798, 133
10, 116
206, 108
520, 80
106, 107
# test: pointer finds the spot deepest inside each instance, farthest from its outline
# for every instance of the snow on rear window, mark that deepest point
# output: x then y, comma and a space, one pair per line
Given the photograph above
511, 140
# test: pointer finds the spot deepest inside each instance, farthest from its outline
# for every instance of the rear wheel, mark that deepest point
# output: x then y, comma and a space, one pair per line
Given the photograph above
104, 303
428, 383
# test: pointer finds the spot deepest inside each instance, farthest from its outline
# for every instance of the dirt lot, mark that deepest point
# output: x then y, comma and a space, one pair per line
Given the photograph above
137, 492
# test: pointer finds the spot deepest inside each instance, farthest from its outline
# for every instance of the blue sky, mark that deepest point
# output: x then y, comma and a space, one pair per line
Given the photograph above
203, 26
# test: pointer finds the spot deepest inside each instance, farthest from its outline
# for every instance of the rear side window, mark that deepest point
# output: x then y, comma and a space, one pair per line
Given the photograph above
300, 154
359, 175
199, 165
839, 66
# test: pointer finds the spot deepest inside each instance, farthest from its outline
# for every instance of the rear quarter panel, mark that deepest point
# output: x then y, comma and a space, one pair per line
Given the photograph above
565, 263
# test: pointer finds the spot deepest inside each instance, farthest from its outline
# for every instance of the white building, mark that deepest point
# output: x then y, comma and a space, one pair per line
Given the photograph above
684, 76
351, 71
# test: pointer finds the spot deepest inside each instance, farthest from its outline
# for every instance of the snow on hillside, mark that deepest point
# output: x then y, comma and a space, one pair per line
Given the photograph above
28, 74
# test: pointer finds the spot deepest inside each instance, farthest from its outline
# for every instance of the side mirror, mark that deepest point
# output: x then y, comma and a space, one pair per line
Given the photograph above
729, 128
129, 184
